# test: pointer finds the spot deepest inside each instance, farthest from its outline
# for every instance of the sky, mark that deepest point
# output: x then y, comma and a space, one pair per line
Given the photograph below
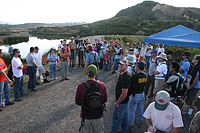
63, 11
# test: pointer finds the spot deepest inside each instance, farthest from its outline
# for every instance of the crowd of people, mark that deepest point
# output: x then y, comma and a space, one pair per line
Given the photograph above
142, 72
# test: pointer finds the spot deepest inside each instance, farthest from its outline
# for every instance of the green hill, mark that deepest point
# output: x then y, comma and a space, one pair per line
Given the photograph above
145, 18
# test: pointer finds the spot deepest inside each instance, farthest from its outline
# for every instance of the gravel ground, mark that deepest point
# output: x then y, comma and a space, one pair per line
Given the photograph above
52, 108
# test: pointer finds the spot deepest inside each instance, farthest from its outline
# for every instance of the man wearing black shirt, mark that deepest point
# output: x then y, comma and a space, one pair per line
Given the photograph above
120, 115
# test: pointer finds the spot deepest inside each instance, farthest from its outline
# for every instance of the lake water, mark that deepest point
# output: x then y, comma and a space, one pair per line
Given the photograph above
43, 44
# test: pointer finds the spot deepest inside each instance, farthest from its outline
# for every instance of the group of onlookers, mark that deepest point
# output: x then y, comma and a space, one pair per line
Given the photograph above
166, 81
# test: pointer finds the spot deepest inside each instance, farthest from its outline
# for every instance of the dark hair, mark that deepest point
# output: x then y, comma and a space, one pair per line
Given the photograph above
32, 49
0, 50
198, 58
176, 66
15, 50
36, 48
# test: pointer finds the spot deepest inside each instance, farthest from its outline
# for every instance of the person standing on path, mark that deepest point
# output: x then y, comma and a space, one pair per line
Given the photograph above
91, 58
160, 72
52, 58
4, 82
91, 124
64, 57
120, 115
136, 100
17, 67
31, 69
151, 77
72, 57
40, 68
184, 65
193, 86
118, 57
111, 52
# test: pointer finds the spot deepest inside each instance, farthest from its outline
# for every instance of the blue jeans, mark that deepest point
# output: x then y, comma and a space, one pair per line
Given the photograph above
136, 102
106, 66
5, 87
52, 68
18, 88
32, 76
111, 61
120, 118
115, 66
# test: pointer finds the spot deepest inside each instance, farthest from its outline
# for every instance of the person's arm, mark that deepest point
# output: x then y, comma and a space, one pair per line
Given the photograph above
194, 82
122, 96
3, 73
78, 97
149, 125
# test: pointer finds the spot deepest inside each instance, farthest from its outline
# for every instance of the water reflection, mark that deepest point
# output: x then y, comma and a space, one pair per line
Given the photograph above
43, 44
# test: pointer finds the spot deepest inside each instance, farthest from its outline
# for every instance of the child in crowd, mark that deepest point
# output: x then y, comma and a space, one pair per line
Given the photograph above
107, 60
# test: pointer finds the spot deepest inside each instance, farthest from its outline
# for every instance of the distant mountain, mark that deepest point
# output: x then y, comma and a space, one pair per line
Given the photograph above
145, 18
155, 11
34, 25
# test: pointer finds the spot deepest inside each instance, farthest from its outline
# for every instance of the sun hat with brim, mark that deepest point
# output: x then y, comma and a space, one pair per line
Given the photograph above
123, 62
162, 100
91, 70
153, 51
130, 59
163, 55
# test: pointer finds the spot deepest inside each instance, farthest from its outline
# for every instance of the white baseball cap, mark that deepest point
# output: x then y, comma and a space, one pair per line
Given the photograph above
162, 100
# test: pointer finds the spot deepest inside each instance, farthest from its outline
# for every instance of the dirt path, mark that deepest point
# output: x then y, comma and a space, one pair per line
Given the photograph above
52, 108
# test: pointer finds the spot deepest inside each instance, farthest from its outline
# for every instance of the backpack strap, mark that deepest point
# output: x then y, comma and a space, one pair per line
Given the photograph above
88, 84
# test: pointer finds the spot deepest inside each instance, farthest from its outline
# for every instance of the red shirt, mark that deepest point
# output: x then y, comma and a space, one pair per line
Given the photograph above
2, 66
81, 90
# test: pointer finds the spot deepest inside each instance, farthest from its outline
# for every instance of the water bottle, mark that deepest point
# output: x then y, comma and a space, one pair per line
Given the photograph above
2, 103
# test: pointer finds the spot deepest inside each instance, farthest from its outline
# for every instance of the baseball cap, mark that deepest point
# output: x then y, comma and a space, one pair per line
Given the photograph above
140, 64
91, 70
153, 51
161, 100
185, 54
123, 62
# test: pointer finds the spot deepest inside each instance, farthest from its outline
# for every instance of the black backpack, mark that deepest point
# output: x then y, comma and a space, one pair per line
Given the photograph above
182, 87
93, 105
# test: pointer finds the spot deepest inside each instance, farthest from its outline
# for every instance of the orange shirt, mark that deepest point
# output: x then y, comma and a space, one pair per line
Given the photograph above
64, 56
2, 66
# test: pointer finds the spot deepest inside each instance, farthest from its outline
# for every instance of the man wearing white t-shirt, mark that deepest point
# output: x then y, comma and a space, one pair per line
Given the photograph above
160, 73
162, 115
17, 67
38, 61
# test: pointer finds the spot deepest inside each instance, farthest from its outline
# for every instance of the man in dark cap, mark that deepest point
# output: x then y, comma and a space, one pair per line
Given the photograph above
184, 64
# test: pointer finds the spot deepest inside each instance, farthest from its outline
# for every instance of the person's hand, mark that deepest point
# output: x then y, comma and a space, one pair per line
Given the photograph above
117, 105
151, 129
9, 81
84, 73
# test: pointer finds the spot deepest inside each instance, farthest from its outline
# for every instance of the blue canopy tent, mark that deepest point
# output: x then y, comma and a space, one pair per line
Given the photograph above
176, 36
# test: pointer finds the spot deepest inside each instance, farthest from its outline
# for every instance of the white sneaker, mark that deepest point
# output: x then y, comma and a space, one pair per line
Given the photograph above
55, 78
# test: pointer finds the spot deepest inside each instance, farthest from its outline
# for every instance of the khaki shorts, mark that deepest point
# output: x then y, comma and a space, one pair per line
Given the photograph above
158, 85
92, 126
41, 70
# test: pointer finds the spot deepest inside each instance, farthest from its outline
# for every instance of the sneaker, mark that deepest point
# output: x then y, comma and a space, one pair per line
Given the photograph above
139, 125
9, 103
67, 78
1, 109
17, 99
55, 78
